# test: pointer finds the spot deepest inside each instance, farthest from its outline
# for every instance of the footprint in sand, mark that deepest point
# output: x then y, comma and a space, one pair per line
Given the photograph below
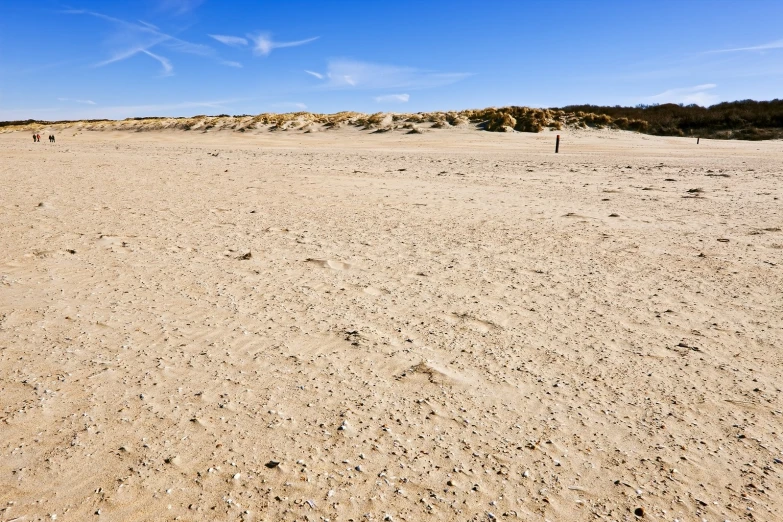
110, 241
473, 322
328, 263
432, 374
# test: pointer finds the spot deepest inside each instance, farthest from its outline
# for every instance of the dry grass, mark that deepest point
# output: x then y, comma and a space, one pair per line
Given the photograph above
493, 119
522, 119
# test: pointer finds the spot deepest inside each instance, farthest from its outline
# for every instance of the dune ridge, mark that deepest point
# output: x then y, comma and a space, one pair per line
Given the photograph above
507, 119
744, 120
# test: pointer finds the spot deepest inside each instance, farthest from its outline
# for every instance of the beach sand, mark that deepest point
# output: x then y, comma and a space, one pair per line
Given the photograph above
341, 325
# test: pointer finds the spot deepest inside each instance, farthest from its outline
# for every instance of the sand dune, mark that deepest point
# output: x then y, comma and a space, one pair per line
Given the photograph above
504, 119
345, 325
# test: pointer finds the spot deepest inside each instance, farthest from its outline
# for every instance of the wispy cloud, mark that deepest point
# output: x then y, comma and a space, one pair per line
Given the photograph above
317, 75
289, 105
262, 43
120, 111
347, 74
165, 62
183, 46
71, 100
232, 64
143, 37
42, 113
165, 109
233, 41
698, 94
148, 43
777, 44
123, 55
393, 98
167, 68
139, 110
179, 7
40, 68
151, 26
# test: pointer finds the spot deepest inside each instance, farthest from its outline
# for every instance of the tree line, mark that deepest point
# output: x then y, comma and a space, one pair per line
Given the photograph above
744, 119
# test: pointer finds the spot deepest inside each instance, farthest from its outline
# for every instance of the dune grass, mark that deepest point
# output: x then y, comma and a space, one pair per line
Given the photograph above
748, 120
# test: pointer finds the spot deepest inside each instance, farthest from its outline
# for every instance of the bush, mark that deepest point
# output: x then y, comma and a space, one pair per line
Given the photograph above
745, 118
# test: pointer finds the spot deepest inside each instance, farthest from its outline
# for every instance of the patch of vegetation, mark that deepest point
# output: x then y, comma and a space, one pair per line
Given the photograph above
745, 119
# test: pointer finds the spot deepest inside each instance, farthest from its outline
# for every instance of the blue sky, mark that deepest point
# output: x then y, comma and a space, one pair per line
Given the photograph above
88, 59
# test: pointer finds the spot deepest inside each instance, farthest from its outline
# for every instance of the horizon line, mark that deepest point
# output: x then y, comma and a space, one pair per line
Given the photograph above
641, 106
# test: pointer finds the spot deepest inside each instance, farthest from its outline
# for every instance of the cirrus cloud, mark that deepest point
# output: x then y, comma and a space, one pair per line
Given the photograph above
141, 37
777, 44
71, 100
262, 43
179, 7
233, 41
393, 98
698, 94
347, 74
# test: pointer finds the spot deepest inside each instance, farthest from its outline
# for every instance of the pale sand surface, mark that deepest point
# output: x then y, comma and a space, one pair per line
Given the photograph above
447, 326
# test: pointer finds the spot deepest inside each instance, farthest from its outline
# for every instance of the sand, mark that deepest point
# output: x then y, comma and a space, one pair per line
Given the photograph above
351, 326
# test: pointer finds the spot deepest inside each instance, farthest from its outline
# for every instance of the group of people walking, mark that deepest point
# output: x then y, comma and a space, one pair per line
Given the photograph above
37, 138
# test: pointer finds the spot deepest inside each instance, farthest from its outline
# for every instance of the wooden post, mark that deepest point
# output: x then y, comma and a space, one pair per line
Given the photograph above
697, 141
557, 144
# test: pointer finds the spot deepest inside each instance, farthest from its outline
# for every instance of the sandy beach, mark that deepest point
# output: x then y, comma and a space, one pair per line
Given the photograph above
341, 325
